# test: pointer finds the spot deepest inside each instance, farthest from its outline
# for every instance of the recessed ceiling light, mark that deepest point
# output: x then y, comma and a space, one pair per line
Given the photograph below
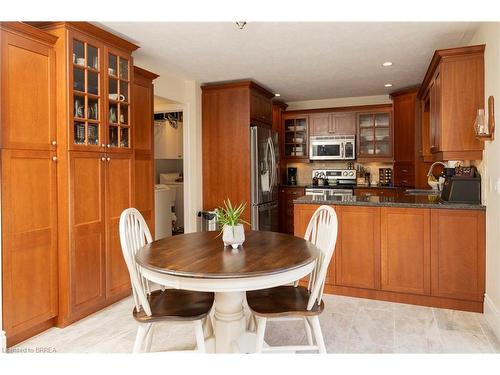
388, 85
277, 94
387, 63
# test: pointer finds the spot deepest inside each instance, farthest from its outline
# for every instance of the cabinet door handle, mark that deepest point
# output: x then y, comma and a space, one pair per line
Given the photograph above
103, 145
54, 158
108, 145
54, 143
404, 170
103, 159
108, 158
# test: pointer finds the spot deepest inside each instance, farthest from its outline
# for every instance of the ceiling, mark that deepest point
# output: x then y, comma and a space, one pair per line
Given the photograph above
299, 60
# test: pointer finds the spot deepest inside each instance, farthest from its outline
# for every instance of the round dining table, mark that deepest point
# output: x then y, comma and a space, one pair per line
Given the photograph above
200, 262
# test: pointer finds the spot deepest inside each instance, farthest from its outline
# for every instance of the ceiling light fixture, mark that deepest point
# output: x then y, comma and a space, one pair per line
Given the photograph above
388, 85
387, 63
241, 24
277, 94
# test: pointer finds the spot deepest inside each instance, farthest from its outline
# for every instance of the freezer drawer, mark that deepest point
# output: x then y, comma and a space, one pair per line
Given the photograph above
266, 217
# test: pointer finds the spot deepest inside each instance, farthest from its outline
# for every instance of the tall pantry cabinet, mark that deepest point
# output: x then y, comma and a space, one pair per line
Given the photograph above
28, 178
95, 165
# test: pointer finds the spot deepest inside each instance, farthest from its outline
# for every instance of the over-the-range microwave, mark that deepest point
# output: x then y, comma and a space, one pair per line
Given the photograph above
336, 147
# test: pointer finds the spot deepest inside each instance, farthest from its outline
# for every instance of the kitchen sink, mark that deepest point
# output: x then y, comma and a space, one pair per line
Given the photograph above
422, 192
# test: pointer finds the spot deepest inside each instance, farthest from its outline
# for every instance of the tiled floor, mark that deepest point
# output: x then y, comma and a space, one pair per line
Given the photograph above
350, 325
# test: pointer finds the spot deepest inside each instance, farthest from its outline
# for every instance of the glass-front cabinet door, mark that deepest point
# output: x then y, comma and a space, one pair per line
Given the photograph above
374, 135
118, 101
86, 129
295, 140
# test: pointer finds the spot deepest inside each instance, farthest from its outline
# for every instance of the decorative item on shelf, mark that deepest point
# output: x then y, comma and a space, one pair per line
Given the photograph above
485, 128
112, 115
111, 71
229, 219
80, 61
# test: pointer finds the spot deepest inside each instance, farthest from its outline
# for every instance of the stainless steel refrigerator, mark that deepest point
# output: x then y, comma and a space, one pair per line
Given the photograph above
265, 178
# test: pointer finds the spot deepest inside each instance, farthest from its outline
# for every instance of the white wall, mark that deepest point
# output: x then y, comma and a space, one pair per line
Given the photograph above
339, 102
489, 34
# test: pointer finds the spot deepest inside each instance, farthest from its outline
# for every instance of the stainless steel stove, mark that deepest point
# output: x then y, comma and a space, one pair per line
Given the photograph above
332, 182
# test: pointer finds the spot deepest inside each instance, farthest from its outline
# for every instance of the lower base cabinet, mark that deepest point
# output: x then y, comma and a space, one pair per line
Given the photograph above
431, 257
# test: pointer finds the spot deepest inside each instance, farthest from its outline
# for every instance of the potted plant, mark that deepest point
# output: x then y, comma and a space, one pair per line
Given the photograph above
229, 219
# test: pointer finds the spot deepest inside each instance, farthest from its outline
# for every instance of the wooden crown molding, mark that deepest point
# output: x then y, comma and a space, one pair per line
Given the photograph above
443, 54
88, 28
280, 103
145, 73
405, 91
235, 84
28, 30
354, 108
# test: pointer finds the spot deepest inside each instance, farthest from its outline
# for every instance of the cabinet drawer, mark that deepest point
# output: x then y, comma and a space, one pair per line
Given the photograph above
404, 174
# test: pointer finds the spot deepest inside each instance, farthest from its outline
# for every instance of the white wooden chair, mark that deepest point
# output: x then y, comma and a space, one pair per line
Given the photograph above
296, 302
160, 305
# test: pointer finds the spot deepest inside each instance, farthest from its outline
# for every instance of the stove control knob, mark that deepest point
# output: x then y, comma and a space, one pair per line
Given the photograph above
344, 173
351, 173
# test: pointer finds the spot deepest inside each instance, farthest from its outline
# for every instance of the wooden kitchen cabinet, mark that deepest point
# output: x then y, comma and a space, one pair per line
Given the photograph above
333, 123
87, 247
451, 94
358, 249
375, 135
405, 252
29, 180
422, 256
286, 196
295, 137
144, 178
376, 191
261, 108
458, 254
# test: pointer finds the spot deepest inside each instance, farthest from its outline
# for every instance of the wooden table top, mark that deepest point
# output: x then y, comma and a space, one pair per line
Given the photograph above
202, 255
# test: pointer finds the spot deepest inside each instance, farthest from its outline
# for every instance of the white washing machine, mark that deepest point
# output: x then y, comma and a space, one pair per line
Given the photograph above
168, 179
164, 200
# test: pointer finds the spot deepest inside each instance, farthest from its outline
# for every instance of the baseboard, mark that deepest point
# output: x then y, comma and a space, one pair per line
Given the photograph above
492, 315
3, 342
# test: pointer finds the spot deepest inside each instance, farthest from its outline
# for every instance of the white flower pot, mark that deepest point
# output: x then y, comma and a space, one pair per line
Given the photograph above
233, 236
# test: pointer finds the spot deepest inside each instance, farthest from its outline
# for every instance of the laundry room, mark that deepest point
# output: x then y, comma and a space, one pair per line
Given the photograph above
168, 154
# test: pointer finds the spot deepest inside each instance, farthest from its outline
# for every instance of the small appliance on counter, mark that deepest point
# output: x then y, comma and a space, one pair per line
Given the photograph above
463, 187
291, 176
385, 176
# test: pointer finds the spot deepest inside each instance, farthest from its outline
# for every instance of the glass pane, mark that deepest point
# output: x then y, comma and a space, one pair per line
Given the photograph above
93, 82
366, 148
123, 137
92, 57
78, 53
381, 134
79, 130
113, 113
79, 107
382, 119
112, 65
123, 69
93, 134
124, 91
93, 109
382, 148
365, 121
123, 114
113, 89
113, 136
78, 79
300, 124
290, 125
289, 150
366, 134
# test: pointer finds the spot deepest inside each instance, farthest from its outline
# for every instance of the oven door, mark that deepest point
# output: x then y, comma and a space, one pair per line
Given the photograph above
326, 150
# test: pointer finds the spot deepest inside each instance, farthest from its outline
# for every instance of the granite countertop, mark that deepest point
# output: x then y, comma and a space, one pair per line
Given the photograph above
403, 200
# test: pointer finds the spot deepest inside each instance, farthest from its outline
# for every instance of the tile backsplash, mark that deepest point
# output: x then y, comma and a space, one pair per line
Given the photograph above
304, 170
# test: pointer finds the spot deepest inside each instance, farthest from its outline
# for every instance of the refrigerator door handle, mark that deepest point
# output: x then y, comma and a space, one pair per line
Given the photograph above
273, 164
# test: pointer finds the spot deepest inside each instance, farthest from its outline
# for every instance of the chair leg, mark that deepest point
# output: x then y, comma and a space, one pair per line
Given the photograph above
261, 330
308, 332
208, 329
318, 335
200, 339
142, 332
149, 338
251, 323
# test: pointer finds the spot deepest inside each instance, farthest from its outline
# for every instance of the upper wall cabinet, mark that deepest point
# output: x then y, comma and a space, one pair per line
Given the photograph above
339, 123
450, 95
261, 107
28, 73
375, 135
